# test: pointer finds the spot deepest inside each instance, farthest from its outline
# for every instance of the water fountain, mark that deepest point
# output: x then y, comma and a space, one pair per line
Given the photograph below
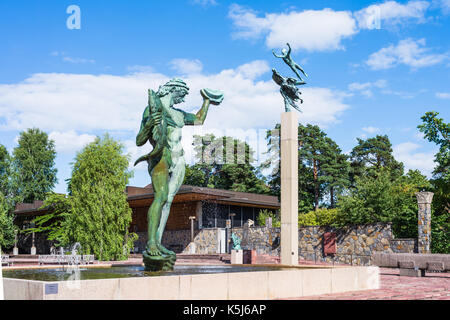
160, 279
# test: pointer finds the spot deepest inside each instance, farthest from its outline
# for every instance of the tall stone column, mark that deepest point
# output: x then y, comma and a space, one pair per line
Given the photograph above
424, 220
289, 188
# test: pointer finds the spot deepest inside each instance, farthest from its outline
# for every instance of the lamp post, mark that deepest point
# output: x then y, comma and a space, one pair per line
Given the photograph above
232, 221
192, 218
15, 249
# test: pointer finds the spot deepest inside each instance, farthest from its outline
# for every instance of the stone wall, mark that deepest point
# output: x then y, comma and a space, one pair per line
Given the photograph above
354, 245
206, 241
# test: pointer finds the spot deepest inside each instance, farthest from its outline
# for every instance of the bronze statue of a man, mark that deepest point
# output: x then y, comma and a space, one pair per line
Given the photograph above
286, 56
162, 125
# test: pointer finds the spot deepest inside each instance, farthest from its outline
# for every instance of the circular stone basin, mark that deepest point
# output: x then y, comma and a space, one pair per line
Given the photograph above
60, 274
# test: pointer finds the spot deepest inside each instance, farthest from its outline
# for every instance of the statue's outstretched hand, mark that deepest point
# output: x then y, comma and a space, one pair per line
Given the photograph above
214, 96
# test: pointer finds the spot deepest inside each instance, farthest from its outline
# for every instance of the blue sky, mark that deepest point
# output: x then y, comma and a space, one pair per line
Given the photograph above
374, 68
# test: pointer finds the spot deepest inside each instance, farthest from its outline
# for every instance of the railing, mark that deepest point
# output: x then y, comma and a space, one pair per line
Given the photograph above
66, 259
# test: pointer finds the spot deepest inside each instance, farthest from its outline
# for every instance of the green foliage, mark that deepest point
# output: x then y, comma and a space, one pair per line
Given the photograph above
224, 163
322, 168
264, 214
100, 212
382, 198
6, 224
57, 223
320, 217
438, 131
5, 168
371, 155
33, 166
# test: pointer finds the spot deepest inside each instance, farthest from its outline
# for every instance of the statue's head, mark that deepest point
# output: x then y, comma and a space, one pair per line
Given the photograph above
284, 51
177, 87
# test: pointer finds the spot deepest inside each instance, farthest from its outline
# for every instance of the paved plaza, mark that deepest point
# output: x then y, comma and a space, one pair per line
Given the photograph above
434, 286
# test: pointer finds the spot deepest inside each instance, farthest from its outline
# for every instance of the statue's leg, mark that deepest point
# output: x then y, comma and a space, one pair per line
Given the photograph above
160, 178
175, 181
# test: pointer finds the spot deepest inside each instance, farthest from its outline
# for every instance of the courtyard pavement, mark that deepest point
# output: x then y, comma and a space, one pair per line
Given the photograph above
434, 286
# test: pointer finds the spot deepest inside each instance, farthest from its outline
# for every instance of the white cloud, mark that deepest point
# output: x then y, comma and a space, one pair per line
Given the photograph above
303, 30
70, 141
445, 5
370, 129
78, 60
76, 107
205, 2
320, 30
443, 95
391, 12
186, 66
409, 52
364, 88
253, 69
140, 69
73, 60
406, 153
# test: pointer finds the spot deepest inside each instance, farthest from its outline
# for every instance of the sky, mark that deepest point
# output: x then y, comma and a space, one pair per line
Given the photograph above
79, 69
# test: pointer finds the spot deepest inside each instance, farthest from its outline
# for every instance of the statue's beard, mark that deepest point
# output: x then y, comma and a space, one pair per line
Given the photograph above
178, 100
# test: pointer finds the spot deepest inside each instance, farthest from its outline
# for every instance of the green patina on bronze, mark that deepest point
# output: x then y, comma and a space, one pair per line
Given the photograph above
288, 86
161, 125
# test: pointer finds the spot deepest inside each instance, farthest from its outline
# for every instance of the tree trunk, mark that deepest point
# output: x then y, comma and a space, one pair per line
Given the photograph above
316, 186
332, 197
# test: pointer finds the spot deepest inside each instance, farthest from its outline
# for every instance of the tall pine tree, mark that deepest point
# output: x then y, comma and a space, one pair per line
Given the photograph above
371, 155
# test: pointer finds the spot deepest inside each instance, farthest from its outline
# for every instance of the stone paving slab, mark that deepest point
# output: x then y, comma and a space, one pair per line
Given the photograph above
434, 286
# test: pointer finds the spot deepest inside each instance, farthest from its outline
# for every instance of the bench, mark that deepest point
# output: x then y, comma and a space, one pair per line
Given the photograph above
413, 264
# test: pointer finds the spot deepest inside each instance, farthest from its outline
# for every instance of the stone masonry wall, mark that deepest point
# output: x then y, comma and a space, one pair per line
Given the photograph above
354, 245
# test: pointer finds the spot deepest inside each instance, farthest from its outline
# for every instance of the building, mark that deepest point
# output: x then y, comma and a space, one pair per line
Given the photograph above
211, 208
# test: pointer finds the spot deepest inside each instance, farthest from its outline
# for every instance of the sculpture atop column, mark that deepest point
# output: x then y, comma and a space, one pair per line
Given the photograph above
161, 125
289, 158
288, 86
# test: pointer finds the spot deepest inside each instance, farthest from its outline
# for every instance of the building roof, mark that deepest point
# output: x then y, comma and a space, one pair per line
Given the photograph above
29, 208
142, 197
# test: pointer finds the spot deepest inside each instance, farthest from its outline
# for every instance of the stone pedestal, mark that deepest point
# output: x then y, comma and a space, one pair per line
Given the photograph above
237, 256
33, 251
289, 188
424, 220
15, 251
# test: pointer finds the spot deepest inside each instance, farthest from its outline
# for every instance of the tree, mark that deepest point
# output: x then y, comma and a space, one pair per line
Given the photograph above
370, 155
224, 163
322, 168
437, 131
382, 198
5, 170
336, 172
57, 223
100, 212
7, 227
33, 166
